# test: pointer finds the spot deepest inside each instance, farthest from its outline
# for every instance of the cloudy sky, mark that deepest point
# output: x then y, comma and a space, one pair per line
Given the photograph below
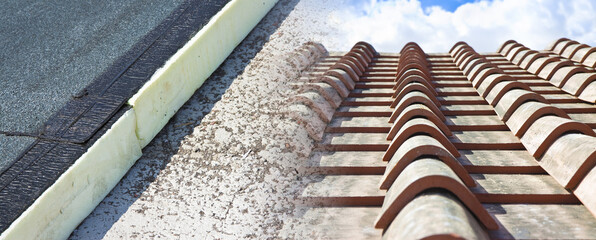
436, 25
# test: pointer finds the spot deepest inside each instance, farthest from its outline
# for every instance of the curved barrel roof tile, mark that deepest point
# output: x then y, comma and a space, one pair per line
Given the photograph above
557, 42
442, 209
506, 45
545, 130
339, 84
426, 174
415, 87
417, 110
513, 99
326, 90
560, 77
417, 126
419, 146
497, 92
343, 76
412, 98
523, 117
577, 83
570, 158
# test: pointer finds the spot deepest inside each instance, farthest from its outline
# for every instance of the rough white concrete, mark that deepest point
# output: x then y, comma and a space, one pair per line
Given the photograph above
226, 166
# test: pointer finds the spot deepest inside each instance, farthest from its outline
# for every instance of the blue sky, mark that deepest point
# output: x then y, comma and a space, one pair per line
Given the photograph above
449, 5
438, 24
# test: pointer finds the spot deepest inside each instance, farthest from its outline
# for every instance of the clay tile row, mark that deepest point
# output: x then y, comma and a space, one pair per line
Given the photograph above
502, 91
422, 168
576, 80
577, 52
565, 148
316, 102
571, 160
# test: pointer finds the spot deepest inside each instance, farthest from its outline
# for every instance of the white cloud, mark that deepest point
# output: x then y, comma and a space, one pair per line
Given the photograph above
485, 25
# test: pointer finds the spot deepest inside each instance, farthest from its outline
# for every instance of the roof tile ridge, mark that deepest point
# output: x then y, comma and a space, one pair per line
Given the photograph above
347, 79
315, 102
413, 69
421, 159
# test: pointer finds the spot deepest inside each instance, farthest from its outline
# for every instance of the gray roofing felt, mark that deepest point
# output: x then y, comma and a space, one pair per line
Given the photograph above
53, 49
11, 148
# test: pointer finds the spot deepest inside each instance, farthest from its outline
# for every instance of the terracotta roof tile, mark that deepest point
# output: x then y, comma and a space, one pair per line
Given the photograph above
527, 113
589, 93
414, 148
417, 111
560, 45
550, 69
326, 90
517, 59
582, 54
572, 49
585, 190
561, 75
554, 44
569, 162
531, 58
578, 83
503, 48
422, 175
416, 97
512, 99
499, 90
450, 218
415, 127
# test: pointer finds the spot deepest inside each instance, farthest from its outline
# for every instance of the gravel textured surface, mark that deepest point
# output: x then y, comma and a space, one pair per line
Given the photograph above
51, 50
227, 165
48, 45
11, 148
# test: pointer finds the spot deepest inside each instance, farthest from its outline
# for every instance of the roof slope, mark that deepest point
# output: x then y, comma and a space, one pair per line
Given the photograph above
459, 144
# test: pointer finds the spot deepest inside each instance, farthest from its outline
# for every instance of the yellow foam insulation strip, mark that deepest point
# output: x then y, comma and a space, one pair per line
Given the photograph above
171, 86
59, 210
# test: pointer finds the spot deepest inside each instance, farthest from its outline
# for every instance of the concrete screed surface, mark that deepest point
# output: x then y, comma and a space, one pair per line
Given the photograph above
227, 164
53, 49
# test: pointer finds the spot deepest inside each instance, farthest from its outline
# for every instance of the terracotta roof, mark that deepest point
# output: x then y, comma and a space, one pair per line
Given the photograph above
458, 144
